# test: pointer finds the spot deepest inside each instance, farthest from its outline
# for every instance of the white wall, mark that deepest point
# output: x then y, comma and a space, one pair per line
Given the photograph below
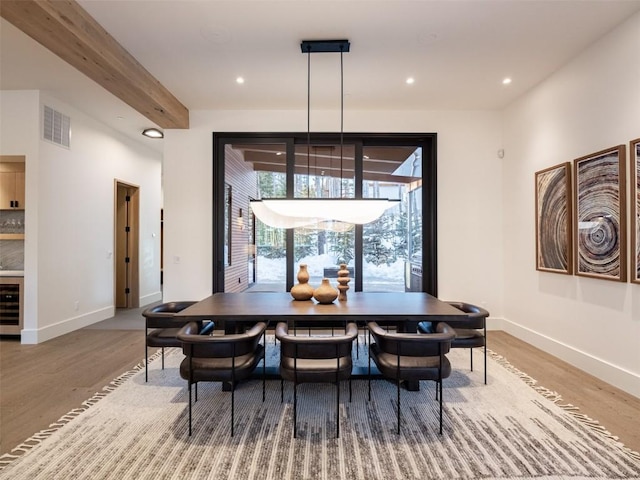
469, 193
20, 135
591, 104
70, 217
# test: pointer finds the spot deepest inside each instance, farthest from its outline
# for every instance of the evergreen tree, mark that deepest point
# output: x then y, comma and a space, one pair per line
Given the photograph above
378, 241
342, 245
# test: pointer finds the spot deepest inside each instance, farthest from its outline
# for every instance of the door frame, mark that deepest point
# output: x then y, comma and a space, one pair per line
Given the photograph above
126, 275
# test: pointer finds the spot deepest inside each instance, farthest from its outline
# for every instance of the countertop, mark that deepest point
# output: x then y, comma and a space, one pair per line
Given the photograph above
11, 273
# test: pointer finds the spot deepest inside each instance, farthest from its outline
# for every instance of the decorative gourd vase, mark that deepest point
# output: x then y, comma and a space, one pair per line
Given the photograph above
325, 293
302, 290
343, 280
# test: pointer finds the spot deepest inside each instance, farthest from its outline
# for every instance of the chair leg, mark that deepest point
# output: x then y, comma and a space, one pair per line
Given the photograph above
485, 364
264, 364
146, 363
196, 391
439, 385
295, 412
485, 353
281, 390
338, 409
189, 409
233, 391
162, 358
398, 388
369, 376
471, 356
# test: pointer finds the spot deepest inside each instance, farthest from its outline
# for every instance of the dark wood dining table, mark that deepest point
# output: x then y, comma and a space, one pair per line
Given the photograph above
406, 310
235, 311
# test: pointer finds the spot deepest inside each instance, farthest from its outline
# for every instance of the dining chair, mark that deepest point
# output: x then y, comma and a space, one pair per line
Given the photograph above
411, 357
315, 359
470, 333
221, 358
160, 319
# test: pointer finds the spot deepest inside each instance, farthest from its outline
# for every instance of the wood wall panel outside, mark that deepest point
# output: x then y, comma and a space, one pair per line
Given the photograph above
242, 179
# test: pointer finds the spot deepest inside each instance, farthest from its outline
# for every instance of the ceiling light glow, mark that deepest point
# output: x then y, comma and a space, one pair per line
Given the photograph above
506, 81
410, 81
240, 80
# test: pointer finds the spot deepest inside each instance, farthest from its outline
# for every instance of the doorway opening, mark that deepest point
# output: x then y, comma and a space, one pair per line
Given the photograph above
127, 221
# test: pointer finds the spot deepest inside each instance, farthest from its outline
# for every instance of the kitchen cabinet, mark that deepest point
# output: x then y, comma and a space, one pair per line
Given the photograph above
12, 186
11, 305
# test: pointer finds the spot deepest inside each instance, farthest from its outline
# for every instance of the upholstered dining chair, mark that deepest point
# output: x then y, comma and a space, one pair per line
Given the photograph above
164, 328
221, 358
470, 333
315, 359
411, 356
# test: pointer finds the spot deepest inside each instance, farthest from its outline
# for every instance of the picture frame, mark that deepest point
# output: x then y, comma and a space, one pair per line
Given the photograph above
634, 162
599, 226
554, 252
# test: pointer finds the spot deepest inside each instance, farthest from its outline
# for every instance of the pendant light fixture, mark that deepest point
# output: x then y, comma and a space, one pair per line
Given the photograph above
337, 214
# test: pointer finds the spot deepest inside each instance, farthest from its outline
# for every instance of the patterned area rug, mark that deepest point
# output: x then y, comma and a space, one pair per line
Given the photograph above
507, 429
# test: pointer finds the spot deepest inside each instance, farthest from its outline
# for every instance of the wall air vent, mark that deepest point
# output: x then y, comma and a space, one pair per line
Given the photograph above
57, 127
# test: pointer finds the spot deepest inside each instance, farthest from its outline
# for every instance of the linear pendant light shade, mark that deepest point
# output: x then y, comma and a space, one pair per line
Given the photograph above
336, 214
306, 212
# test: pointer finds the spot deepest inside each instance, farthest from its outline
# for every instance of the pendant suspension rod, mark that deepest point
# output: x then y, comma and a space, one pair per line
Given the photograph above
308, 122
341, 121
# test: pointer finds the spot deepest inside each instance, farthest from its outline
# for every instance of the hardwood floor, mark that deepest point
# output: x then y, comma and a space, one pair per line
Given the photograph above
616, 410
40, 383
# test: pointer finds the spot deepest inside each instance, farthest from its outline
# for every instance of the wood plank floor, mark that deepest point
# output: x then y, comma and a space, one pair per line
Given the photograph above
40, 383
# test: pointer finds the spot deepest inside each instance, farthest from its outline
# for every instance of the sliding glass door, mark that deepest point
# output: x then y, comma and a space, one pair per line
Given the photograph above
397, 252
392, 243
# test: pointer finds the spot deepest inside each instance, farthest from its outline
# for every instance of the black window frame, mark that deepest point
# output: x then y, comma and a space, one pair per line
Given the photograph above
428, 143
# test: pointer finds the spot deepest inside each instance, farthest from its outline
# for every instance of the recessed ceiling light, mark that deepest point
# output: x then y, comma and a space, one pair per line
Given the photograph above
506, 81
240, 80
152, 133
410, 81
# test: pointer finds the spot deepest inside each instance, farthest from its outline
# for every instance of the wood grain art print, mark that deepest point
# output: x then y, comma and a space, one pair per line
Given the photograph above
600, 221
634, 158
553, 219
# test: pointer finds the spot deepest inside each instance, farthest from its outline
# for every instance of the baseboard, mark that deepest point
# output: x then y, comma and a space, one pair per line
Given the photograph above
151, 298
39, 335
601, 369
495, 323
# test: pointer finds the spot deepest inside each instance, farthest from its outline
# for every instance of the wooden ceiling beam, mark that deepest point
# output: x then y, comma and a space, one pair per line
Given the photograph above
68, 30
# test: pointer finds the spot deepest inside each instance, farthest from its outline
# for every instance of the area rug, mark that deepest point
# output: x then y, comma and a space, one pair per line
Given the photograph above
508, 429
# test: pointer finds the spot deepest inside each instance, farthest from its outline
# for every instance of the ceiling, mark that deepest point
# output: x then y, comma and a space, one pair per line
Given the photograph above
458, 52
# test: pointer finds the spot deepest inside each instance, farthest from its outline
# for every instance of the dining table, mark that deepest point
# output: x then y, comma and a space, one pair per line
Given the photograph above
234, 312
402, 309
